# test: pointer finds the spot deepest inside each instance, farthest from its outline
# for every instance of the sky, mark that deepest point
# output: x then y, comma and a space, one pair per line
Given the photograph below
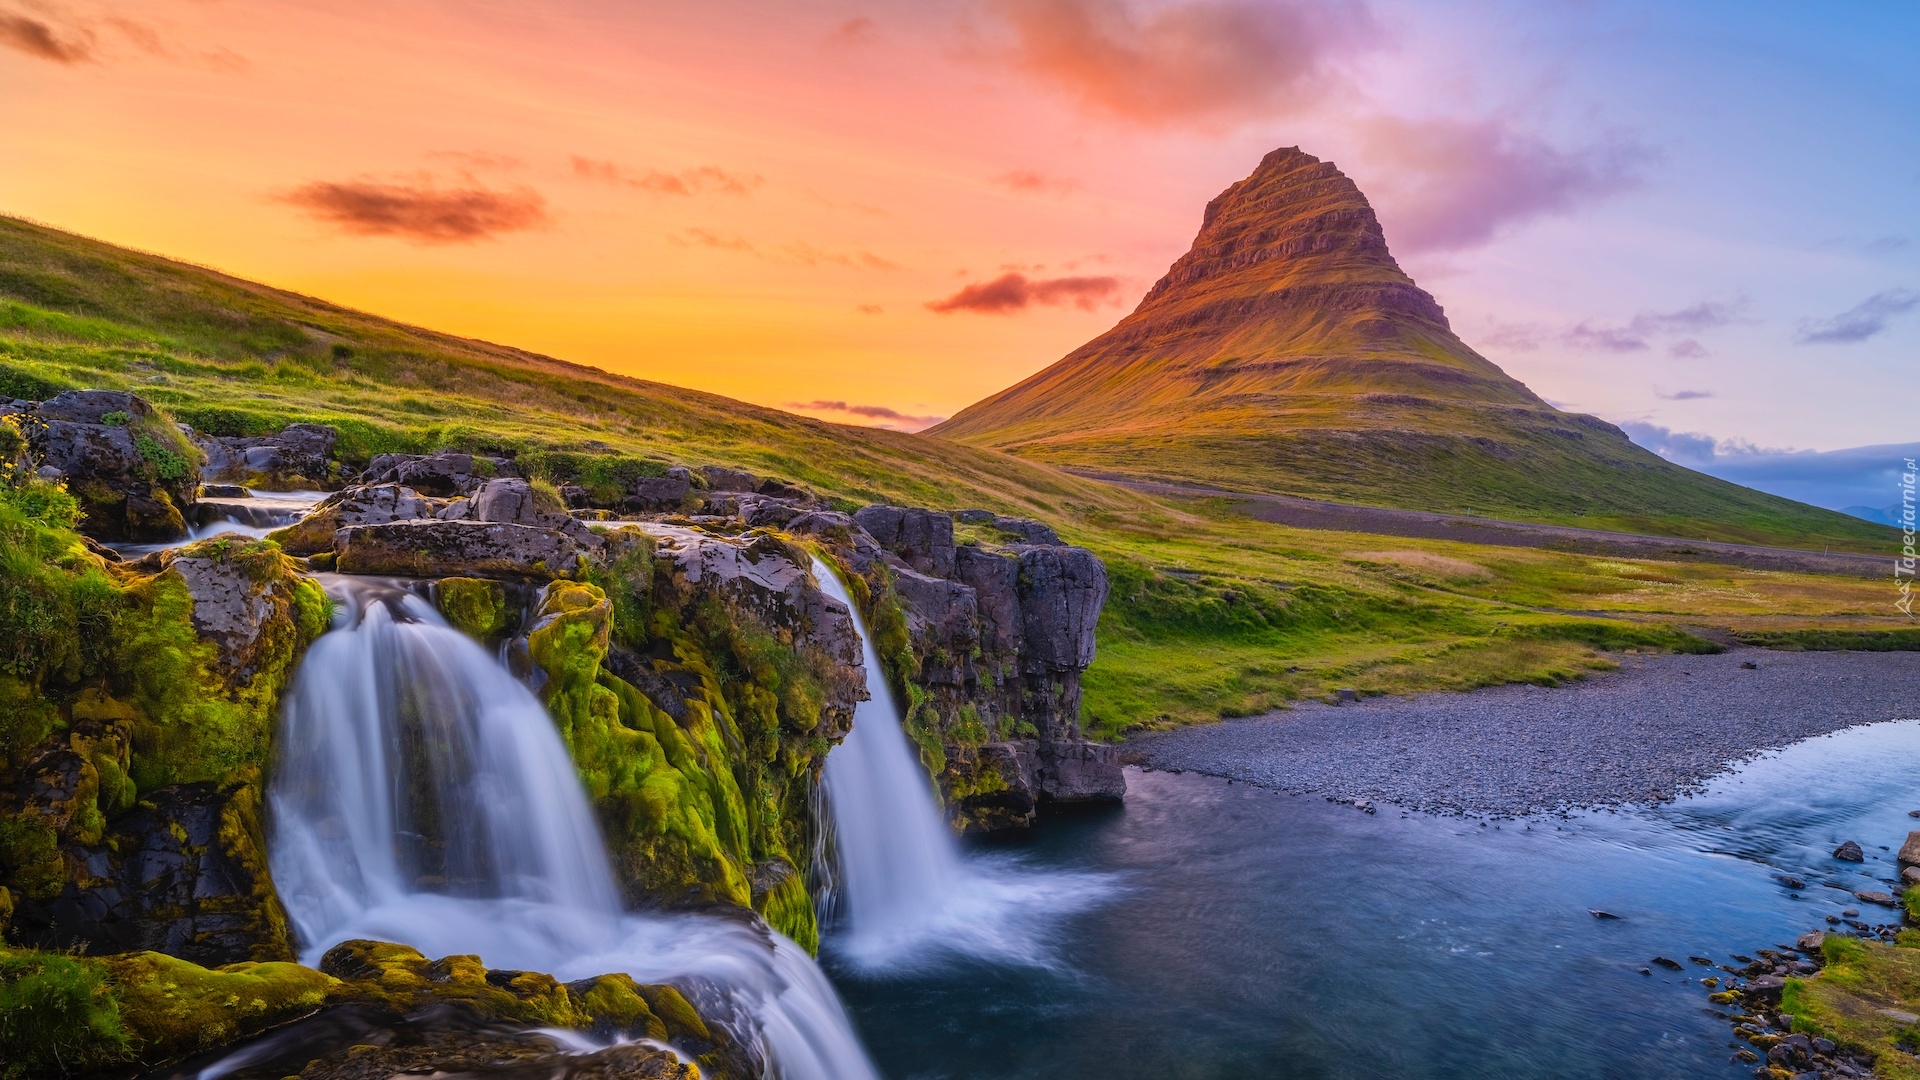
1699, 220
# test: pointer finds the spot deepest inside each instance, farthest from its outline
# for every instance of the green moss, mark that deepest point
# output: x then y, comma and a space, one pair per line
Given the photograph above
174, 1008
477, 607
57, 1016
671, 807
788, 908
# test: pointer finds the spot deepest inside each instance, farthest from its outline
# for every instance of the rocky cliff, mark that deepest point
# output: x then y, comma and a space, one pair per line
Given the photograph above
688, 656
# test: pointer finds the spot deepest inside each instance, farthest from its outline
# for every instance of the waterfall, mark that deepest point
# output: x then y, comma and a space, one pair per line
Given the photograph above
423, 796
905, 894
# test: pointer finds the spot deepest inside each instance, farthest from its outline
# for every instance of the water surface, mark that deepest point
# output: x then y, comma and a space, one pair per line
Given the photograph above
1263, 934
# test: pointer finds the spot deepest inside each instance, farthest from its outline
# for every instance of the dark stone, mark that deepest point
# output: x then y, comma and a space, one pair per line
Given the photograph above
301, 456
922, 538
1028, 530
657, 494
437, 549
122, 493
164, 878
1079, 771
442, 475
1849, 852
720, 478
1670, 965
224, 491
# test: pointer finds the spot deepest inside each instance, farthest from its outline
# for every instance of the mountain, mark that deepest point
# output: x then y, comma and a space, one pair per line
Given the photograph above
1288, 353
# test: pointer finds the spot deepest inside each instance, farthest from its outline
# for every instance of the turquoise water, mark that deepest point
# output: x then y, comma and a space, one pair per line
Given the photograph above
1257, 934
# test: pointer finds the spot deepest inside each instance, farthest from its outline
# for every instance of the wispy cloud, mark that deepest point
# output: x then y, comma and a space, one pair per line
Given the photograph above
702, 180
1683, 395
890, 417
38, 38
1208, 62
1634, 336
858, 30
1687, 349
799, 253
420, 213
1864, 320
1452, 184
1031, 182
1013, 292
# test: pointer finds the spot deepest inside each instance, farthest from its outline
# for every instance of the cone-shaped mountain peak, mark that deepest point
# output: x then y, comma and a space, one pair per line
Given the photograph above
1287, 352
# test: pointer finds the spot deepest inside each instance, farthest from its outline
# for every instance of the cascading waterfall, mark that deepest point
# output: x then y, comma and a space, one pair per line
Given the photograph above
905, 895
422, 796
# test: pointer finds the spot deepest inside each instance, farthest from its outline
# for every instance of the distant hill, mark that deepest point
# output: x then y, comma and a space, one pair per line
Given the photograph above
234, 357
1288, 353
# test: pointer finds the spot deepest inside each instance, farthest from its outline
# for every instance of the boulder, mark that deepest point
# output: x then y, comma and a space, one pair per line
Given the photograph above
299, 457
659, 494
436, 549
1028, 530
923, 539
1849, 852
443, 475
234, 604
1910, 851
1080, 771
720, 478
134, 474
376, 504
512, 501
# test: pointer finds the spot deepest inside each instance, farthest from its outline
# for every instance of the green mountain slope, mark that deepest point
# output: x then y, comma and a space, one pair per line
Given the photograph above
1211, 613
233, 357
1288, 353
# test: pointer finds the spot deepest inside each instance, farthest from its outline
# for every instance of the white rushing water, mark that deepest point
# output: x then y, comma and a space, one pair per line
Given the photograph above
905, 895
423, 796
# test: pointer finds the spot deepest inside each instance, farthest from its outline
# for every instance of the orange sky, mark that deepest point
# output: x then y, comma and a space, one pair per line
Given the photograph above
763, 199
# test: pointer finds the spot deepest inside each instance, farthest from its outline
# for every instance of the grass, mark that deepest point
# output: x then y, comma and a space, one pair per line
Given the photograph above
1212, 614
1844, 1002
1287, 353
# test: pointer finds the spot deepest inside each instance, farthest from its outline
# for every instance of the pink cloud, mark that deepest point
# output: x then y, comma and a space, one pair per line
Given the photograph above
1450, 184
703, 180
422, 214
889, 418
1208, 61
1013, 292
37, 38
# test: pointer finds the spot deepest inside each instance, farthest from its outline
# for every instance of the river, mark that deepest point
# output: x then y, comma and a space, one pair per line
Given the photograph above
1250, 933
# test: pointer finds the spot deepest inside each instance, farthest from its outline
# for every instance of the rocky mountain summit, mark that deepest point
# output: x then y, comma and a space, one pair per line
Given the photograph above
1287, 352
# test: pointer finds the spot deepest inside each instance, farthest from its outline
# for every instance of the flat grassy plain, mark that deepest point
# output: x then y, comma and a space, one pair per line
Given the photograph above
1212, 614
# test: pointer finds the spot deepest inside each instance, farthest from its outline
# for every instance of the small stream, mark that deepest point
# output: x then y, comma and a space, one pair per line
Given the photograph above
1254, 933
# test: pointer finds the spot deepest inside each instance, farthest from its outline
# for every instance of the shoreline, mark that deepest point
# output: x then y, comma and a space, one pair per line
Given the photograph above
1657, 728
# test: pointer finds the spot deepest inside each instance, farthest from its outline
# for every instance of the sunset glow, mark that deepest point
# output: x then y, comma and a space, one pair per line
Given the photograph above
879, 213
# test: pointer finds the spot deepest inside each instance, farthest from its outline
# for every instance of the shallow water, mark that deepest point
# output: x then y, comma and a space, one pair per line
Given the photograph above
1263, 934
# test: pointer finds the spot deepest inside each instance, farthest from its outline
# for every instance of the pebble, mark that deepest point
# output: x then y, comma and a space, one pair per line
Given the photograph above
1523, 749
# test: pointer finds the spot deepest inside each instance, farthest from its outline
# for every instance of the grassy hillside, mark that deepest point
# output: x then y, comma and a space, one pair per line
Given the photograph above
1288, 353
1212, 614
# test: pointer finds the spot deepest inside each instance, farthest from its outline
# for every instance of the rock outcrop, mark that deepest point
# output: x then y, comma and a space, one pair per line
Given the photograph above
298, 458
992, 638
133, 471
133, 820
432, 548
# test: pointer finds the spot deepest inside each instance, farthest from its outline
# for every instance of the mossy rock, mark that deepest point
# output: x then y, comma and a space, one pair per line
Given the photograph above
477, 607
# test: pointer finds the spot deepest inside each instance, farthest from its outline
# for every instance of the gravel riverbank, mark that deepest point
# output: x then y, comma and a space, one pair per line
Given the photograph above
1652, 730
